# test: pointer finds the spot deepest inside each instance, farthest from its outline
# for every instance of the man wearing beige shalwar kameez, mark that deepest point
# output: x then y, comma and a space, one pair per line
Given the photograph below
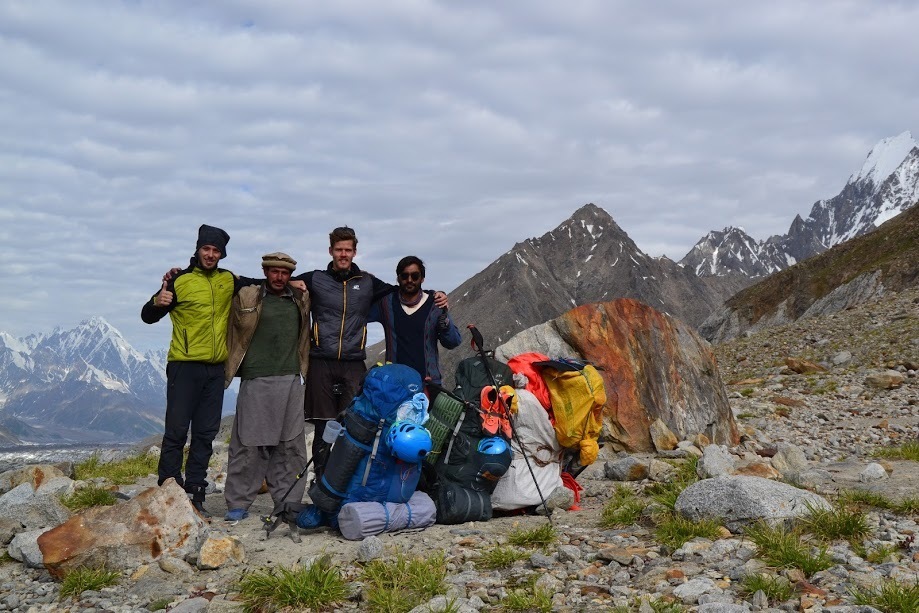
268, 344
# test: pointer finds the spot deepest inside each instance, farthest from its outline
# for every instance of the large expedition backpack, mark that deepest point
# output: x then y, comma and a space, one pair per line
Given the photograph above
470, 460
360, 467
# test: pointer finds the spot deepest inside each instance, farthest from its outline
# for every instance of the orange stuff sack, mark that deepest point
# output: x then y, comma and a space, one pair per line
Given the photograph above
523, 364
577, 394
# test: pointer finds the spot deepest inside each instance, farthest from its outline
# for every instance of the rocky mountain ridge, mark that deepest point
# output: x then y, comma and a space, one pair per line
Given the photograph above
839, 279
885, 186
588, 258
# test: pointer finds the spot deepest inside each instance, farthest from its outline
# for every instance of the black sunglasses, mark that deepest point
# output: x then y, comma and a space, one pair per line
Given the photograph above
405, 276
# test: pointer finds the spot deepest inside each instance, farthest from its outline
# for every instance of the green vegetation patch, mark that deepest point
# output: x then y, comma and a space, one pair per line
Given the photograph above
784, 548
79, 580
665, 494
837, 522
906, 451
776, 589
402, 583
890, 596
543, 536
528, 598
623, 509
675, 530
319, 585
500, 557
90, 496
120, 472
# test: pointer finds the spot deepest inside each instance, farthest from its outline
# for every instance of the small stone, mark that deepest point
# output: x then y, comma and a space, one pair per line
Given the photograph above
370, 548
872, 472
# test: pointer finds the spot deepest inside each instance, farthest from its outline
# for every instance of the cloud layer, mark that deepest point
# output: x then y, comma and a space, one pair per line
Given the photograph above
448, 130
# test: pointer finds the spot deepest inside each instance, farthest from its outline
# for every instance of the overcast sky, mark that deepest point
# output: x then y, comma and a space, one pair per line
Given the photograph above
451, 130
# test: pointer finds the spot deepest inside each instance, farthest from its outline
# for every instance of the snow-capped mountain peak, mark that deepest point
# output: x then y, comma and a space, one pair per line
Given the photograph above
886, 185
884, 158
15, 344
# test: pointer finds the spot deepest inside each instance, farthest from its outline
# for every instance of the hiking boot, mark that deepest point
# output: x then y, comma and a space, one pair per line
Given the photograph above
198, 506
236, 515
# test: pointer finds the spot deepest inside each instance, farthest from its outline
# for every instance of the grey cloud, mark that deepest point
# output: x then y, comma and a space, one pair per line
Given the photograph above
451, 130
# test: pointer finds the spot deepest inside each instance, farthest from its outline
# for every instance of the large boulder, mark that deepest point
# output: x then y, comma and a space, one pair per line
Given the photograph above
742, 500
654, 367
158, 521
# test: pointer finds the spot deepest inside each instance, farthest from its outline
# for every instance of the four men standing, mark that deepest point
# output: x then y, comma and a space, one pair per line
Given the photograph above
269, 338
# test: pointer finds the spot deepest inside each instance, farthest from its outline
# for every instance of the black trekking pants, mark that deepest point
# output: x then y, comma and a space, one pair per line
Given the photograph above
194, 398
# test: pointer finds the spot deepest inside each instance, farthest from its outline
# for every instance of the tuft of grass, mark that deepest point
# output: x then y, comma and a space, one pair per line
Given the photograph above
880, 554
837, 522
907, 506
500, 557
665, 494
747, 392
890, 596
542, 536
90, 496
119, 472
776, 589
624, 509
827, 387
403, 583
159, 604
528, 599
906, 451
782, 412
79, 580
746, 415
786, 548
318, 585
675, 530
864, 498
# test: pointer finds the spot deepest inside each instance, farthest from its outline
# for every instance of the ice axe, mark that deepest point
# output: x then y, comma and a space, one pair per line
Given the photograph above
478, 345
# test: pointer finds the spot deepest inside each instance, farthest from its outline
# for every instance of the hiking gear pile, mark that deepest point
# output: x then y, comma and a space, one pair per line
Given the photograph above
483, 446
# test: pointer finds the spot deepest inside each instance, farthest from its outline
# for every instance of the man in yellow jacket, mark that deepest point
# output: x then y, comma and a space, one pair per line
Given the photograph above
197, 301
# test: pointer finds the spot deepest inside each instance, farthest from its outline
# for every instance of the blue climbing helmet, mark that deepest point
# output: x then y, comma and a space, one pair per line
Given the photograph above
408, 441
493, 445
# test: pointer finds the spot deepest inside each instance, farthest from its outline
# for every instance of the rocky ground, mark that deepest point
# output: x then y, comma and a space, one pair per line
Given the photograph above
836, 416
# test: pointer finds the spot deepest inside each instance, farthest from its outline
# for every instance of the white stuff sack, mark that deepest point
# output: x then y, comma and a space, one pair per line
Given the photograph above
358, 520
516, 489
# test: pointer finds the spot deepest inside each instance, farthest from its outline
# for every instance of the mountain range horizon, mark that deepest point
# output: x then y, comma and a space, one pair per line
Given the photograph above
89, 382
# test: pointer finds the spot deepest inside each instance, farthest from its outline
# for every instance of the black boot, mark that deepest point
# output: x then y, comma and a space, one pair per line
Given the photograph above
196, 493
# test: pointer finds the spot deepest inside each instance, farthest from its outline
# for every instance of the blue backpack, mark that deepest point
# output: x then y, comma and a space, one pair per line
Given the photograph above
360, 467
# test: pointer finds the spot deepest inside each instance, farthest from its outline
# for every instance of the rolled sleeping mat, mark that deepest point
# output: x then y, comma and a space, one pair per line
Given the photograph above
442, 419
353, 444
358, 520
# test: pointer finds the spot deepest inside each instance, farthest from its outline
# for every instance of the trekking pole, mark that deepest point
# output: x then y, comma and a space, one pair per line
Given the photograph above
478, 345
271, 524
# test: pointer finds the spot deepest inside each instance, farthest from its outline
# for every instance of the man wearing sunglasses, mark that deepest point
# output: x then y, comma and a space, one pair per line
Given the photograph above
413, 324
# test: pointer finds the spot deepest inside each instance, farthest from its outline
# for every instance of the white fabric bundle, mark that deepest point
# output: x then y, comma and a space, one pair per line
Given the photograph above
357, 520
516, 489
